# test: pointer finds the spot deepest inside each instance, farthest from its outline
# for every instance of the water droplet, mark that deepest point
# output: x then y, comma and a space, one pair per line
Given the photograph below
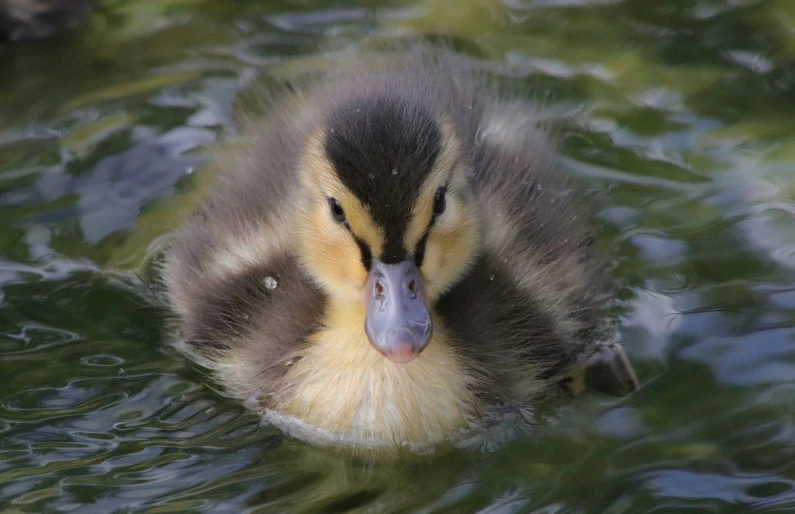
491, 277
122, 373
394, 171
270, 282
331, 130
371, 176
189, 170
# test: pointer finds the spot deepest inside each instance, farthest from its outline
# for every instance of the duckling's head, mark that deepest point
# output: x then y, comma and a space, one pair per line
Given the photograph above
390, 218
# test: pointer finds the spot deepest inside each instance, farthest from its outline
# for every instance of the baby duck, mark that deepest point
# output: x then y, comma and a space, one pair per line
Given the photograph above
394, 255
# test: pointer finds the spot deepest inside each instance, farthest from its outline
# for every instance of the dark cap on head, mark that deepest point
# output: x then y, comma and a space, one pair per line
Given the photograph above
382, 148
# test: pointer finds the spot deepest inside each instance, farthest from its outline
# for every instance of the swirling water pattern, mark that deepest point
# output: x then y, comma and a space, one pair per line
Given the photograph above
676, 114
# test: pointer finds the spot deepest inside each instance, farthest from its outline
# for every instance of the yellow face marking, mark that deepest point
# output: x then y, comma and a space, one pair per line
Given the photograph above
454, 238
331, 252
444, 172
329, 248
449, 251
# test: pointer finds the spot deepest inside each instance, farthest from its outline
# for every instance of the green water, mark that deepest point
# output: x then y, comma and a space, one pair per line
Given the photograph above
679, 117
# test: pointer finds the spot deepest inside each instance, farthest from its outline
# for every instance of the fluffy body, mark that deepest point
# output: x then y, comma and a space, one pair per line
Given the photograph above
515, 292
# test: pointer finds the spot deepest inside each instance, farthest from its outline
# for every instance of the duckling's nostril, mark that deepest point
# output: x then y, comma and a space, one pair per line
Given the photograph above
379, 288
413, 286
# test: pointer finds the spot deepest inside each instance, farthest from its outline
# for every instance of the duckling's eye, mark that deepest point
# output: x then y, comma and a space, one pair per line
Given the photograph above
337, 214
439, 202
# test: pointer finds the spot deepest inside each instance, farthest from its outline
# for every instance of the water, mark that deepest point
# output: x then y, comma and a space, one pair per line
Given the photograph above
676, 114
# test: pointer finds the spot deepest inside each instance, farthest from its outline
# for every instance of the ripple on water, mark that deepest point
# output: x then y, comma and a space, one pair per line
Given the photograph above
683, 134
751, 359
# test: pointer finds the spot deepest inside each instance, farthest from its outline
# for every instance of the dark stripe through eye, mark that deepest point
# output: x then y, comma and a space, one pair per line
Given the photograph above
338, 215
439, 204
420, 253
367, 255
439, 200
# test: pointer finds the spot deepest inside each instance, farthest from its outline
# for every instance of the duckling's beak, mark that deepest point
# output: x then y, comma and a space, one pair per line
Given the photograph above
397, 320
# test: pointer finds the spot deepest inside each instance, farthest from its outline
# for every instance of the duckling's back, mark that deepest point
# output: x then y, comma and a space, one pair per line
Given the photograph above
533, 304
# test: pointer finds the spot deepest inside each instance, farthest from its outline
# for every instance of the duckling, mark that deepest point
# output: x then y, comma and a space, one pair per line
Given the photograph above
395, 254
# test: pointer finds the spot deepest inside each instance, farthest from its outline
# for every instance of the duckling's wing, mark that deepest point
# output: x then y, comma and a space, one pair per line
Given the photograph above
249, 325
245, 305
534, 300
502, 330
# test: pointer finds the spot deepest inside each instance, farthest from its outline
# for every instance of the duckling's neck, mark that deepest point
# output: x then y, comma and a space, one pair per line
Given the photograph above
344, 386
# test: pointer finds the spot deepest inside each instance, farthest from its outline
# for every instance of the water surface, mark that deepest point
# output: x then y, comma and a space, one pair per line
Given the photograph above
677, 115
